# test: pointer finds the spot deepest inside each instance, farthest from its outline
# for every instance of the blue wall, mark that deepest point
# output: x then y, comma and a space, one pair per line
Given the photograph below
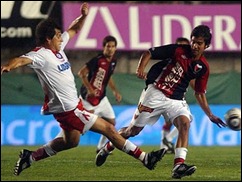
23, 125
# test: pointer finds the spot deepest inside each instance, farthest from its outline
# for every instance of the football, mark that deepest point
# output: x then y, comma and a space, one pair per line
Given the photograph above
233, 119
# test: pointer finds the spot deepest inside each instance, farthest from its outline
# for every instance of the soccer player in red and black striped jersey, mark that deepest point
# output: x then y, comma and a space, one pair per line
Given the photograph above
96, 75
167, 134
166, 96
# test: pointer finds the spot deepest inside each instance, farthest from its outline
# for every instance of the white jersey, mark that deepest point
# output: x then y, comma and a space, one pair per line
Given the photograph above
57, 80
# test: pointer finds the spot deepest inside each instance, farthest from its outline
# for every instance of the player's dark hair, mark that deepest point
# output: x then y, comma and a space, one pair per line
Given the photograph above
182, 39
202, 31
45, 29
108, 39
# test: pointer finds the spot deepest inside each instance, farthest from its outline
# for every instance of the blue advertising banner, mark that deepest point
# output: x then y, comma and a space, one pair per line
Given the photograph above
23, 125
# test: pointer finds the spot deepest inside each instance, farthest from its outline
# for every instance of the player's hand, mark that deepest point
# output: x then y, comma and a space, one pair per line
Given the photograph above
4, 69
84, 9
91, 93
118, 96
141, 74
217, 121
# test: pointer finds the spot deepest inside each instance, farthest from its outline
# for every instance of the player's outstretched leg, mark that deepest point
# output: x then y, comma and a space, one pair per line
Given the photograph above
149, 161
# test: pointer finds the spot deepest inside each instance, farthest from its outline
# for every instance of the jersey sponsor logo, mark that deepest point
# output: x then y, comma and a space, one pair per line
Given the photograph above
174, 76
64, 66
98, 82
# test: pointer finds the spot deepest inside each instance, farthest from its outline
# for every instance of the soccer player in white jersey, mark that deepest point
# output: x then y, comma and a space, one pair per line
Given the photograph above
61, 99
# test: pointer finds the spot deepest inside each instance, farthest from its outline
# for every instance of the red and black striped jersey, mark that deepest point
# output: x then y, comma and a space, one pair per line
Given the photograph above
175, 70
100, 71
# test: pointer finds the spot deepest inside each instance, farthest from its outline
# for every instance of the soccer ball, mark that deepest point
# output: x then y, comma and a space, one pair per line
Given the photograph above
233, 119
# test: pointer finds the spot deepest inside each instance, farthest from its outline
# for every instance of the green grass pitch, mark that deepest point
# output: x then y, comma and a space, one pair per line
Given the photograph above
213, 163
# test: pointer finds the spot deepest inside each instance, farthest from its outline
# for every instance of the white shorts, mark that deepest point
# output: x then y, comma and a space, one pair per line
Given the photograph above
153, 103
103, 109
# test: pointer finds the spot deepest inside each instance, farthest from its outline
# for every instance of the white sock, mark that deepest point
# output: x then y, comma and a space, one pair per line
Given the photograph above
129, 146
49, 150
172, 134
181, 153
102, 142
164, 133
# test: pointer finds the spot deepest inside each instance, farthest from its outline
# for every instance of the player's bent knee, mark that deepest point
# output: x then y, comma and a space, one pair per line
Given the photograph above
109, 128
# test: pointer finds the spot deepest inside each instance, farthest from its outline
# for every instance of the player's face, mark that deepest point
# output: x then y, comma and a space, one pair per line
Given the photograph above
55, 43
109, 49
198, 46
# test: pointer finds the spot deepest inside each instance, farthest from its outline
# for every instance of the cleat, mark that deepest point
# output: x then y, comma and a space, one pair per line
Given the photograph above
153, 157
23, 162
182, 170
98, 150
101, 157
170, 146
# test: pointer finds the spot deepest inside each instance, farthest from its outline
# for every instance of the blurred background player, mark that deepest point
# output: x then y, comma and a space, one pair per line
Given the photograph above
95, 75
